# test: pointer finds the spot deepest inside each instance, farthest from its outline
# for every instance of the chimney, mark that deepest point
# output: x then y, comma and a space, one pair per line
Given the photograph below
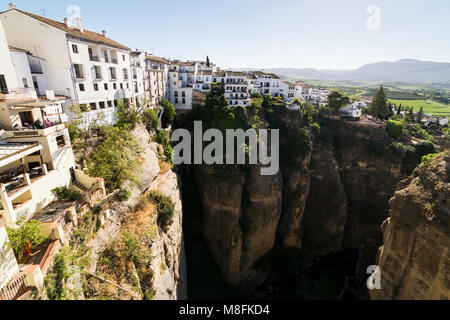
66, 22
105, 34
12, 5
80, 25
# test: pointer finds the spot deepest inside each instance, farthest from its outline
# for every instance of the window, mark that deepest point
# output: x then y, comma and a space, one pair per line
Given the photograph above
106, 86
125, 74
183, 101
60, 141
96, 86
113, 73
81, 86
105, 54
176, 93
98, 72
121, 86
25, 82
93, 106
102, 105
109, 104
75, 48
128, 85
114, 86
123, 57
78, 71
183, 94
176, 100
3, 86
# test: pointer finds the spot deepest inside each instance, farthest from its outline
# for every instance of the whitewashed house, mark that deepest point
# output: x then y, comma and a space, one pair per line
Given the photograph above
156, 78
88, 67
351, 111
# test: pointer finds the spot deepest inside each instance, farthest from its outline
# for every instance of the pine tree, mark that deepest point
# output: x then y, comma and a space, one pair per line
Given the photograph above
399, 111
420, 115
380, 107
207, 61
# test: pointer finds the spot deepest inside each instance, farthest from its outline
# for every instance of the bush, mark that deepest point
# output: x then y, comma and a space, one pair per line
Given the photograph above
150, 119
27, 233
169, 112
122, 195
424, 148
162, 137
74, 131
402, 150
117, 158
66, 194
164, 207
395, 129
418, 132
426, 160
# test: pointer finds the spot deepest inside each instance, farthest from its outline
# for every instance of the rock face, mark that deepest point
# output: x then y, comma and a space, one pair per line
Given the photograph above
327, 208
332, 199
241, 211
415, 258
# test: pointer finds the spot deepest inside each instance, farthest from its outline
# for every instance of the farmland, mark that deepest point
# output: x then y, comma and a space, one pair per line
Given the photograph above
429, 106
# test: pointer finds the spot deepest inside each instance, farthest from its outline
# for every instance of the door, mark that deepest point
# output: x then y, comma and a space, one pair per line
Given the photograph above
3, 86
26, 117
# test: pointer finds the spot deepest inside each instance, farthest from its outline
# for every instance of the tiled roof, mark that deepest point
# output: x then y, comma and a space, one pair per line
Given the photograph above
182, 63
85, 35
155, 58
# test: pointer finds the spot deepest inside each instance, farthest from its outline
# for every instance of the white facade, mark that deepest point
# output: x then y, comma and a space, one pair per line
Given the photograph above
88, 67
8, 264
156, 79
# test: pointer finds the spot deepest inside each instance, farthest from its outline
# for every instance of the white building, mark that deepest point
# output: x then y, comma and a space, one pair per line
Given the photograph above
351, 111
156, 79
269, 83
88, 67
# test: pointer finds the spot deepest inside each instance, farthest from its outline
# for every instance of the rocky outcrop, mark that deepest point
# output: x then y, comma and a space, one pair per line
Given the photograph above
415, 259
326, 209
241, 211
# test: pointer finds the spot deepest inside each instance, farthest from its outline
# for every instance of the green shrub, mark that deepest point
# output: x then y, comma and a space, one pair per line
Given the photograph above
426, 160
30, 232
74, 131
122, 195
395, 129
169, 112
66, 194
164, 207
150, 119
418, 132
402, 150
424, 148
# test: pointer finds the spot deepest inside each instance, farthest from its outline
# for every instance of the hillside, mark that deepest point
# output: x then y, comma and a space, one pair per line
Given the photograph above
406, 70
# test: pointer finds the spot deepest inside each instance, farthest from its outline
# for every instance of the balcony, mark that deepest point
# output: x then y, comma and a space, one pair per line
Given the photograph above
38, 132
18, 94
94, 58
114, 60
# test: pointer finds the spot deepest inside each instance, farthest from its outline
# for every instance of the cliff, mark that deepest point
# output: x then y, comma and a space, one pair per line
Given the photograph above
160, 268
332, 199
415, 260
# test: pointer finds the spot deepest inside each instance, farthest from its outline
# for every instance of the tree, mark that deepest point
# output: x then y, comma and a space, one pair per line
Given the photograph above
337, 100
207, 61
395, 129
380, 106
169, 112
150, 119
26, 235
399, 110
420, 115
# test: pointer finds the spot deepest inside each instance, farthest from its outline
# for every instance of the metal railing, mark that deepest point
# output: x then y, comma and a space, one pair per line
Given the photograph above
15, 289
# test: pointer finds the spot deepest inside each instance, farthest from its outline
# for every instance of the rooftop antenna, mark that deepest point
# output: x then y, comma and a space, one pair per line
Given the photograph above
43, 12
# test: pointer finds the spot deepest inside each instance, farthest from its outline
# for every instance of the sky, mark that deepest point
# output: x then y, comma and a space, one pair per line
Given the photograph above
323, 34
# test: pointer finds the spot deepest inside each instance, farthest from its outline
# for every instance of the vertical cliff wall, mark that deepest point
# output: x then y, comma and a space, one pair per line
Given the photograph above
415, 259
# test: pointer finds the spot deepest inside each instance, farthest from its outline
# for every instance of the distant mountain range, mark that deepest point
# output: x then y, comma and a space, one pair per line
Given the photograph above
406, 70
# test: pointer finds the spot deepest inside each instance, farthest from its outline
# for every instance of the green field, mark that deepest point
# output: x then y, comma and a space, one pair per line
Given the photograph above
429, 106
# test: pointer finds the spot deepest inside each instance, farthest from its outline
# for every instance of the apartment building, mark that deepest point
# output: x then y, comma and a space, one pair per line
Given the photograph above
138, 72
156, 78
269, 83
87, 67
237, 90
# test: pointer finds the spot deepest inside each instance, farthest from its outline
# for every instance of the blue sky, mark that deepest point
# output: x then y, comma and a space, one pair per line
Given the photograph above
261, 33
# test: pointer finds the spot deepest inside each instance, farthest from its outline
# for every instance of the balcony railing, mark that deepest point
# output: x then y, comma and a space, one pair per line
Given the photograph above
15, 289
94, 58
114, 60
